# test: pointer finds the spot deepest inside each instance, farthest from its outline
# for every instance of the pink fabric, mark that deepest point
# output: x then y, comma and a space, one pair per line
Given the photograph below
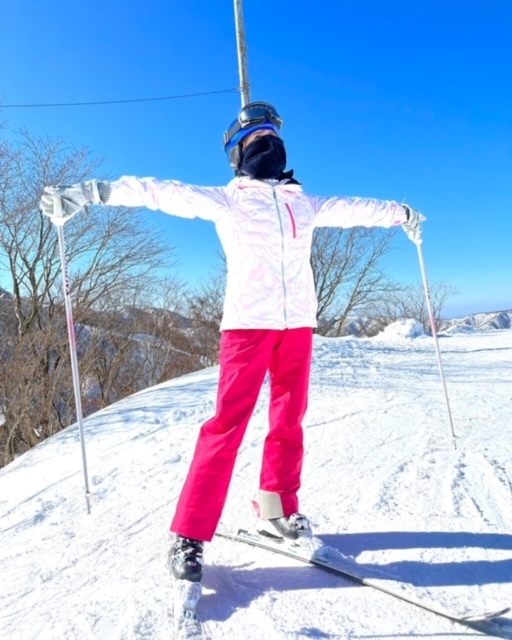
245, 357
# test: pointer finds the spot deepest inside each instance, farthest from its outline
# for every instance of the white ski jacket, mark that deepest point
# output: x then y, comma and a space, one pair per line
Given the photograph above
266, 232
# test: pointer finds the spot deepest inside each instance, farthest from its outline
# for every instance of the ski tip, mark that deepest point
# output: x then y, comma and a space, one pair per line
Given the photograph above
489, 615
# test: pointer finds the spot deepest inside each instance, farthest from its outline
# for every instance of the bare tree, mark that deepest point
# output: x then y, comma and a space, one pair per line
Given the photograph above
347, 270
130, 344
173, 333
205, 308
409, 301
35, 388
112, 255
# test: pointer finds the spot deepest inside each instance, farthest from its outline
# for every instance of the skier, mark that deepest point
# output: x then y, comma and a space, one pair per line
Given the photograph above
265, 223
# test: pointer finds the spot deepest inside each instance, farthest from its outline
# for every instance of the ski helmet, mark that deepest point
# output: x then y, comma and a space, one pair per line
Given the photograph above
252, 117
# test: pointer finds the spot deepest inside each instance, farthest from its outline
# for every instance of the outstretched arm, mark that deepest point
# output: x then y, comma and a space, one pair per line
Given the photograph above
355, 212
170, 196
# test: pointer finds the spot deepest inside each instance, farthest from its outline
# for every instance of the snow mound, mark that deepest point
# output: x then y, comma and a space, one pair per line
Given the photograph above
400, 329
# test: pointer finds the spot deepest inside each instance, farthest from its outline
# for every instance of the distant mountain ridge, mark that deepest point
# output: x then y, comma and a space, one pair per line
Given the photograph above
366, 326
479, 321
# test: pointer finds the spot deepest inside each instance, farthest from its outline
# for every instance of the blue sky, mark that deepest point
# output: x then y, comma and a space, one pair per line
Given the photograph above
382, 99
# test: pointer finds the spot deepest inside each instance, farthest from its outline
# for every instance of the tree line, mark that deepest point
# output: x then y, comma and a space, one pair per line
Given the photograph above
134, 326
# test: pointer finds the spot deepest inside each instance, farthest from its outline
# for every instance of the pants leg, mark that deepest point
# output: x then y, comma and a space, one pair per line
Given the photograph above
244, 360
283, 452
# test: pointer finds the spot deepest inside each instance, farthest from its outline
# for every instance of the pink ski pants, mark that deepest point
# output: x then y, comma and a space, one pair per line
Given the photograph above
245, 357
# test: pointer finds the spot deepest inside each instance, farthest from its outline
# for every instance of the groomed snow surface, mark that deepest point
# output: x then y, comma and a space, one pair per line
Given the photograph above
382, 482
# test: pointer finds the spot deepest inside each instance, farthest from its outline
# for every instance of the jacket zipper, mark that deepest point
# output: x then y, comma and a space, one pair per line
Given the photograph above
282, 255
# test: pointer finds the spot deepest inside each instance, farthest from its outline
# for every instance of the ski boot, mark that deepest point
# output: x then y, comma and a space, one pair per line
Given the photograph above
186, 559
293, 531
294, 527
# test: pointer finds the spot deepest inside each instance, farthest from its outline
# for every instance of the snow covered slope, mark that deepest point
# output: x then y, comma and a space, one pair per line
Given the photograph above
382, 481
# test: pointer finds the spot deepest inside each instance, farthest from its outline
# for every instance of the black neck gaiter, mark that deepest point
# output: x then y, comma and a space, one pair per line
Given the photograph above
263, 158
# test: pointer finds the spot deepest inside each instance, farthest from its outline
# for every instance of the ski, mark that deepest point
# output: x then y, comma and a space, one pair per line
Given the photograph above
316, 560
187, 623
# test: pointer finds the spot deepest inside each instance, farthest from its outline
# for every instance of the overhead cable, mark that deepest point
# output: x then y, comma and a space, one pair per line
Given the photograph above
103, 102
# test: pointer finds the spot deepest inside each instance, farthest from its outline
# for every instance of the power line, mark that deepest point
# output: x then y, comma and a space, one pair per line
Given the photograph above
102, 102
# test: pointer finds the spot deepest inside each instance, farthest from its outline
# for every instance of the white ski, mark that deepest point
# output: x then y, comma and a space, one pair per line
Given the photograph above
325, 558
187, 623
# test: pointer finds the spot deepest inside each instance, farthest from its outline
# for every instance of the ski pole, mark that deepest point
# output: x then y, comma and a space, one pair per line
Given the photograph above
59, 220
418, 244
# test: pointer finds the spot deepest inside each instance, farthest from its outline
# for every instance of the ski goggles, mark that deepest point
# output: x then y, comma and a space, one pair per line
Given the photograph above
252, 115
